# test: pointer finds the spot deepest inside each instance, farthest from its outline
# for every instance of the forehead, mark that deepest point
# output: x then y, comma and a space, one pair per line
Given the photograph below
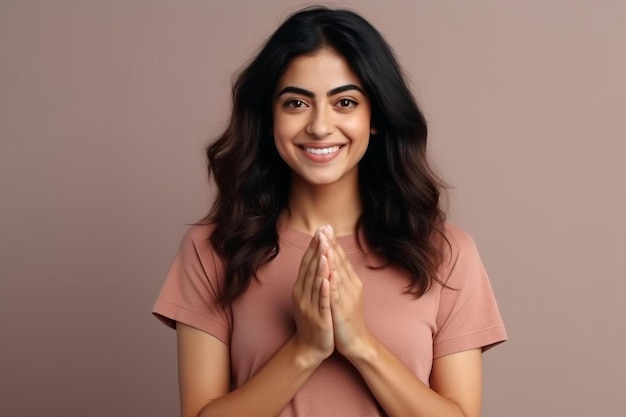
322, 70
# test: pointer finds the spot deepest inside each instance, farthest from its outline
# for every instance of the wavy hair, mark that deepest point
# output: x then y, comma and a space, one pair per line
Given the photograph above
402, 218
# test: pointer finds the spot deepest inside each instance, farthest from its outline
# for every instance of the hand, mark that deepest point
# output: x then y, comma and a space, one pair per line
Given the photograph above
346, 301
311, 300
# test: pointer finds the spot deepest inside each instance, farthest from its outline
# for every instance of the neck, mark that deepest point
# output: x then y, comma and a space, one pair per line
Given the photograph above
312, 206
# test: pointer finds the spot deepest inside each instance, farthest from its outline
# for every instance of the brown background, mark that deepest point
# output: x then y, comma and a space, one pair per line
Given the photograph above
105, 107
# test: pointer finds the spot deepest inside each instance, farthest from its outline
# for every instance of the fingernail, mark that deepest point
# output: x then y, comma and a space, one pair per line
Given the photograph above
329, 231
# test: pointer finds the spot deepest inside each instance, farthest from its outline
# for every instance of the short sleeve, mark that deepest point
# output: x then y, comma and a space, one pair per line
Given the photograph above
192, 286
468, 315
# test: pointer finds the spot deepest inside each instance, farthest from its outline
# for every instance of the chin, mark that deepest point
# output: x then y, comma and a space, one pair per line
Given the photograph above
320, 181
326, 179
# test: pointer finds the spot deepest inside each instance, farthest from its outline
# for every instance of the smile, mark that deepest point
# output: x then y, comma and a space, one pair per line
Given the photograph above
322, 151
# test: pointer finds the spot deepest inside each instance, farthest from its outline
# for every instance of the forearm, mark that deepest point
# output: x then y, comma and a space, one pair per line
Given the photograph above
271, 388
399, 391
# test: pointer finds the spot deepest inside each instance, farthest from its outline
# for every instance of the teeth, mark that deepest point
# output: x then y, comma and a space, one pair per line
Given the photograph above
322, 151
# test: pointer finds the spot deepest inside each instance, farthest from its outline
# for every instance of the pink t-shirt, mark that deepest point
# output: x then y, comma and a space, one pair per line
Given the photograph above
256, 325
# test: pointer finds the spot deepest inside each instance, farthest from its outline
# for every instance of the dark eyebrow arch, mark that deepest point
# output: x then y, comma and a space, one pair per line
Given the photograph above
307, 93
295, 90
343, 88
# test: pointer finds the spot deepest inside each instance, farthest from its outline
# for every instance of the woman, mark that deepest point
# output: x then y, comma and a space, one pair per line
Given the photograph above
324, 280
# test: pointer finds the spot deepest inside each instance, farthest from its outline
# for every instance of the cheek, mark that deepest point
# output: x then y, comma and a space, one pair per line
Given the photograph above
285, 129
359, 127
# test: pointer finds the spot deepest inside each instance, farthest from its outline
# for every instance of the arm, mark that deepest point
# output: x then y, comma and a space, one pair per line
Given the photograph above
455, 379
456, 383
204, 377
204, 361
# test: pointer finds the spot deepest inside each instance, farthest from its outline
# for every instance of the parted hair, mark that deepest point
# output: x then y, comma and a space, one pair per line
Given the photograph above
402, 218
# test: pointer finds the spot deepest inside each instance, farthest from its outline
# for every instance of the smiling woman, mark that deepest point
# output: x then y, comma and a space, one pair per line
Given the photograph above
322, 122
325, 280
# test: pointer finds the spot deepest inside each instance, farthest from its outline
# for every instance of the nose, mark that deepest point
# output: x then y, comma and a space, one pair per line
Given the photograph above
321, 123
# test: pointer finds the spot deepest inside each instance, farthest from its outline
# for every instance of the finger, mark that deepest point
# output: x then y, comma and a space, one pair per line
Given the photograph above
335, 296
307, 259
337, 272
311, 276
333, 243
320, 276
332, 262
322, 271
341, 262
313, 244
324, 301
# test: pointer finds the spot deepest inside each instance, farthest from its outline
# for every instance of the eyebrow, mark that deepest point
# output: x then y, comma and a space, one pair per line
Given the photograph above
307, 93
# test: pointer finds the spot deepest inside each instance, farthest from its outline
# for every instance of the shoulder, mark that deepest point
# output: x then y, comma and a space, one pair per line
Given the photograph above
199, 233
460, 253
457, 242
195, 243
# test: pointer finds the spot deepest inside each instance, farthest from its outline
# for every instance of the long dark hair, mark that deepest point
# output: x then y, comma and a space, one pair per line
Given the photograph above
402, 219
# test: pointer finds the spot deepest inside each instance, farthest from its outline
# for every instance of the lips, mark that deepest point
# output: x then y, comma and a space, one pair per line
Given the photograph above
321, 152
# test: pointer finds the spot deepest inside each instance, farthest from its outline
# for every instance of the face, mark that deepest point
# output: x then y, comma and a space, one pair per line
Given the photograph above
321, 119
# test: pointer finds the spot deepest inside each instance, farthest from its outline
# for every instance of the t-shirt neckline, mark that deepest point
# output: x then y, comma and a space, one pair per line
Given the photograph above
301, 240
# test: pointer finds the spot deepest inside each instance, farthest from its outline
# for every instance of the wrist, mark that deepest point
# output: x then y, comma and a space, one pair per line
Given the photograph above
362, 350
306, 357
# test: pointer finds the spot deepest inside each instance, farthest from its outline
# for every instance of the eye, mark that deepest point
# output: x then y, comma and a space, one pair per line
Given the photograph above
294, 104
347, 103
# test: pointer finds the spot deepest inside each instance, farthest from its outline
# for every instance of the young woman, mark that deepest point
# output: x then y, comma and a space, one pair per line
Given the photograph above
324, 281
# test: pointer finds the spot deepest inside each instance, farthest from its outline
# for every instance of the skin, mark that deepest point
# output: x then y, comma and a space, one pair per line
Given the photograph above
327, 294
334, 111
310, 111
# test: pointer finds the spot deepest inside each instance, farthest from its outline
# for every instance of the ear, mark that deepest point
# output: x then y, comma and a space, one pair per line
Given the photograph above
373, 130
